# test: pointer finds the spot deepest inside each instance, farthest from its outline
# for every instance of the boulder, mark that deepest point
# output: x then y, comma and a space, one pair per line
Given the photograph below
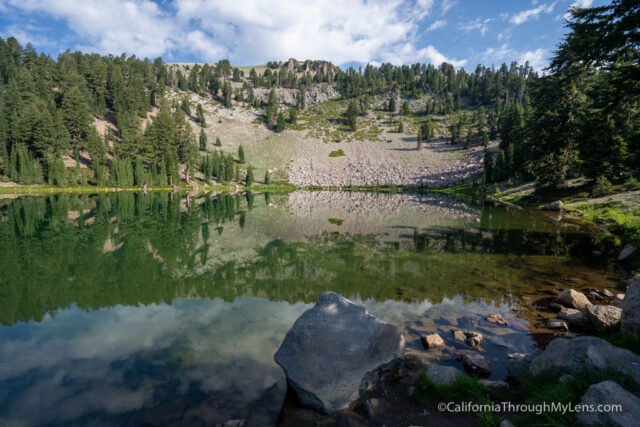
458, 335
574, 317
497, 319
556, 324
630, 321
573, 299
618, 300
610, 393
330, 348
443, 375
553, 206
575, 355
499, 384
627, 253
607, 293
476, 364
432, 341
603, 316
474, 339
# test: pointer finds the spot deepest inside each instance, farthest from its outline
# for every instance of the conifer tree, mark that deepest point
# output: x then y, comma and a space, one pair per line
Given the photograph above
249, 178
202, 140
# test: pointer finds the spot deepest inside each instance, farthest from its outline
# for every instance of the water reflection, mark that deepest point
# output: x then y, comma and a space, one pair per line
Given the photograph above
129, 309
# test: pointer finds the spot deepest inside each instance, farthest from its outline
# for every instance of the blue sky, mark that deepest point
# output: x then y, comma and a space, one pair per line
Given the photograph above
249, 32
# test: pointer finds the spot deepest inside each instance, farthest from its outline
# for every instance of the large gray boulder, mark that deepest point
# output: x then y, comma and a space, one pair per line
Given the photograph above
610, 393
627, 253
331, 347
443, 375
630, 321
575, 355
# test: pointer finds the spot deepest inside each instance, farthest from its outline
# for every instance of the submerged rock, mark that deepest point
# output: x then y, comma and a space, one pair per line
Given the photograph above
603, 316
476, 363
630, 321
575, 355
610, 393
627, 253
556, 324
331, 347
573, 299
496, 318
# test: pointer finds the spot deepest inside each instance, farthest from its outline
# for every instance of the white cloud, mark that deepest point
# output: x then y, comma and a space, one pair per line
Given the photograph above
245, 31
504, 53
481, 25
527, 15
579, 4
446, 6
437, 24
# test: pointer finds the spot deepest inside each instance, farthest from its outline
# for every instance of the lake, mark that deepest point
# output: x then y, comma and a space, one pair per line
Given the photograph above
162, 309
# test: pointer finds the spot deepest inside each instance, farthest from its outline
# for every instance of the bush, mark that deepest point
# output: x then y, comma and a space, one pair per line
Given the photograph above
601, 187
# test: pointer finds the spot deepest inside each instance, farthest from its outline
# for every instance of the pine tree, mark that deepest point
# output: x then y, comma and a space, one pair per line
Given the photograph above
280, 122
267, 178
405, 109
202, 140
200, 116
351, 116
218, 142
392, 105
249, 178
241, 154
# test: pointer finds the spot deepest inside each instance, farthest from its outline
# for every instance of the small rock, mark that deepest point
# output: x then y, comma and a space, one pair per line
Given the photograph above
506, 423
233, 423
553, 206
476, 363
627, 253
555, 306
573, 299
574, 317
432, 341
443, 375
594, 296
458, 335
495, 384
618, 300
496, 318
474, 339
603, 316
556, 324
630, 322
607, 293
610, 393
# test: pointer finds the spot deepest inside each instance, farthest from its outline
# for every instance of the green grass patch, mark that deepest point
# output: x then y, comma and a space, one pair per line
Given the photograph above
337, 153
336, 221
621, 217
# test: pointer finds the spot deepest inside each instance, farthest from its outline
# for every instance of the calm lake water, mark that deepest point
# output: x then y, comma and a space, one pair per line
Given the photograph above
131, 309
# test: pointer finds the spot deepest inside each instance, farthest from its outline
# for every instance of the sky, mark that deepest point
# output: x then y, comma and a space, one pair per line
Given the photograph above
251, 32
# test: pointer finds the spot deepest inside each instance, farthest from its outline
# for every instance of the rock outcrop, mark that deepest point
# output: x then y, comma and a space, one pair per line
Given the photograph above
610, 393
630, 321
575, 355
330, 349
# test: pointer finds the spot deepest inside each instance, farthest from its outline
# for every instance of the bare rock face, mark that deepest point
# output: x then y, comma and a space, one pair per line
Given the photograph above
573, 299
603, 316
610, 393
330, 348
570, 356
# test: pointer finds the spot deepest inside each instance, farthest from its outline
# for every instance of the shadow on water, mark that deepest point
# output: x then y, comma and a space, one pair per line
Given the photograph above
132, 308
